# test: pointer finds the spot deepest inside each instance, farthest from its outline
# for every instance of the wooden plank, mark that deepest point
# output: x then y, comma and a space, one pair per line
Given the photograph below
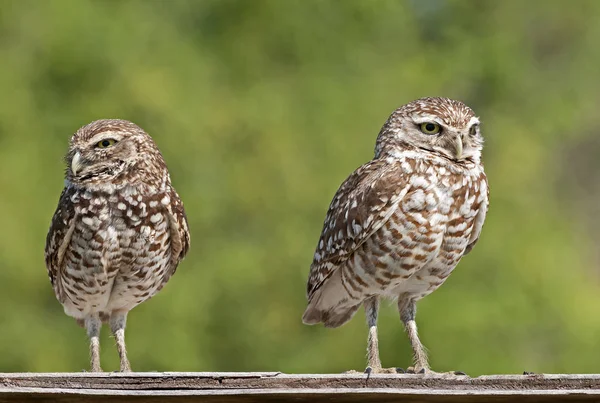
273, 386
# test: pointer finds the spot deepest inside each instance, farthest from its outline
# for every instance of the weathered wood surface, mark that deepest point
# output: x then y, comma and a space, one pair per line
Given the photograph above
278, 387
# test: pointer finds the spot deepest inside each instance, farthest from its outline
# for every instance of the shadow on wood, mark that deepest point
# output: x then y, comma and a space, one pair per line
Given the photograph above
278, 387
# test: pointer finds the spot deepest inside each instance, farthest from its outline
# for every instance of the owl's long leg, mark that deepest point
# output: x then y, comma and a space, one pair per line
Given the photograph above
118, 319
408, 311
371, 310
93, 324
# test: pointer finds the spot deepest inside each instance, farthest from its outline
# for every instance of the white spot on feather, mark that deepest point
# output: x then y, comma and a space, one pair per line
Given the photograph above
419, 181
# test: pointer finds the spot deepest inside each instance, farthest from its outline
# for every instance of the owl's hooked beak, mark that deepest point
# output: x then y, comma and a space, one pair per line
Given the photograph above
458, 147
76, 163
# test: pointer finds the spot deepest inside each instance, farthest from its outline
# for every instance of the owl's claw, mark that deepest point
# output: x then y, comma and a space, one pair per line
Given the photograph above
394, 370
417, 370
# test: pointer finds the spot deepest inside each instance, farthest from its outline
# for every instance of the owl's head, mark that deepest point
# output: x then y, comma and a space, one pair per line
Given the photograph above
113, 152
439, 125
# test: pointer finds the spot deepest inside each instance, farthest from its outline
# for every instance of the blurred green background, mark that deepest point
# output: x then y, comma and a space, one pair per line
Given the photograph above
261, 109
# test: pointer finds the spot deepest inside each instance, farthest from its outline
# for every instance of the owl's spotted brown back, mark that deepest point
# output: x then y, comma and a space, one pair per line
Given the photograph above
398, 226
119, 231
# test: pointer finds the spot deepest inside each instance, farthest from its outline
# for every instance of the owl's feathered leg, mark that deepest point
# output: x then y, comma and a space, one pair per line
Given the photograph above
373, 362
93, 324
408, 310
118, 319
371, 311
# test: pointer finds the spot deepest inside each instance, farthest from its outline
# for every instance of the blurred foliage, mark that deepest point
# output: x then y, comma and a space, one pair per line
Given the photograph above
261, 109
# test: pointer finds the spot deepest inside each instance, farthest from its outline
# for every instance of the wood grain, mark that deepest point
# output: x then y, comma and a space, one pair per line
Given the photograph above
277, 387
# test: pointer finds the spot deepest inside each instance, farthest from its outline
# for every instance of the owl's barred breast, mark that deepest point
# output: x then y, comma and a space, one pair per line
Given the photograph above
400, 223
417, 248
119, 251
119, 230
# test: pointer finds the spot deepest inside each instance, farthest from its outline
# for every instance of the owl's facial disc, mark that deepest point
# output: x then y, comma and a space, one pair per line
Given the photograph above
453, 145
102, 157
456, 143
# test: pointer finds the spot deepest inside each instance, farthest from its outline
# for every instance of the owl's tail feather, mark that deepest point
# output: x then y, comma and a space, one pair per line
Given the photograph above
331, 304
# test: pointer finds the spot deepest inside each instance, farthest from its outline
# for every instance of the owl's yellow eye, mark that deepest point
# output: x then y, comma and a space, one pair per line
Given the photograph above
106, 143
430, 128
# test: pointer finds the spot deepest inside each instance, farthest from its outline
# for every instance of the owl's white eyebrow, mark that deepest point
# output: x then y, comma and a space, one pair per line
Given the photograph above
474, 121
427, 119
106, 135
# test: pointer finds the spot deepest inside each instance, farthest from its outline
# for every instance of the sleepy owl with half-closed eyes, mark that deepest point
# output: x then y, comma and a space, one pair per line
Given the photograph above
119, 231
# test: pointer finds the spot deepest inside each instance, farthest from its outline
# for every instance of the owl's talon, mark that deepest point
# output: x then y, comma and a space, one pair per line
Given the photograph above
378, 370
426, 371
368, 371
400, 370
416, 371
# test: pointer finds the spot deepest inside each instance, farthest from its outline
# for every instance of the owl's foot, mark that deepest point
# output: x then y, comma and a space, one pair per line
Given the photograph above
426, 371
117, 326
92, 370
375, 370
96, 368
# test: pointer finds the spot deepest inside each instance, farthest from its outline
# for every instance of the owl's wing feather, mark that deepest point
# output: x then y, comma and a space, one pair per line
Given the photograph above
362, 205
179, 231
59, 237
478, 225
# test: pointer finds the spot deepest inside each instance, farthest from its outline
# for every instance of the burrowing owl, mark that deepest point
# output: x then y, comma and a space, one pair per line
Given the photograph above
119, 231
398, 226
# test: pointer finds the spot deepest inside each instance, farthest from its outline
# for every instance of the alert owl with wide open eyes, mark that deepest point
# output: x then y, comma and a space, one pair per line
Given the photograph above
400, 223
119, 231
